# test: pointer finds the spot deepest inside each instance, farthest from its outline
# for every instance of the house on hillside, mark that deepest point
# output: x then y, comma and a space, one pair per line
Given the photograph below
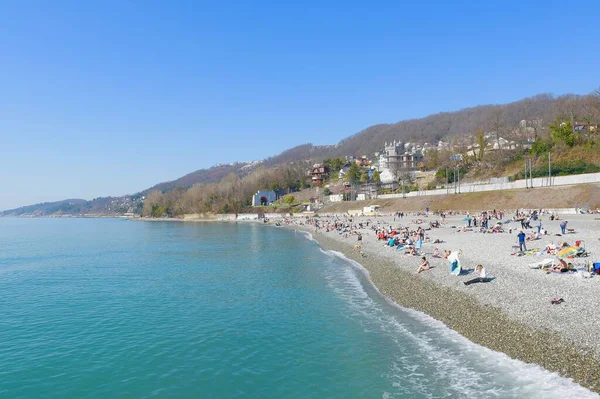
493, 144
319, 173
343, 172
402, 157
362, 161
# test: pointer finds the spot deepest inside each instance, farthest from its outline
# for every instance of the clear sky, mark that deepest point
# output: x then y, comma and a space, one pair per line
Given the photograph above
110, 97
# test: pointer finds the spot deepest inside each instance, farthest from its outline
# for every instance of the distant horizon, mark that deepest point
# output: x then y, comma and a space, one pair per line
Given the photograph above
113, 98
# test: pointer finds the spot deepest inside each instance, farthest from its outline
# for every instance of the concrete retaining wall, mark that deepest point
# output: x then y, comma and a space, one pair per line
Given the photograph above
537, 182
247, 216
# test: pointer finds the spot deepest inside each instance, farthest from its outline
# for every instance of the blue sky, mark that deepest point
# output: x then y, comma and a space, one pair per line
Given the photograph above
110, 97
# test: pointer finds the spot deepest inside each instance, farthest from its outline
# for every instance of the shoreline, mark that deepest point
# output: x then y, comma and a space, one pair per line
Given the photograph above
462, 312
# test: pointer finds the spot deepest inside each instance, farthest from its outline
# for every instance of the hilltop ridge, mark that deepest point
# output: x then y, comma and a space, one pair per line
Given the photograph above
448, 126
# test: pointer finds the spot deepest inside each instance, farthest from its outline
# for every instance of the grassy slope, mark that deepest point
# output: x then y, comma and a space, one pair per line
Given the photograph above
582, 196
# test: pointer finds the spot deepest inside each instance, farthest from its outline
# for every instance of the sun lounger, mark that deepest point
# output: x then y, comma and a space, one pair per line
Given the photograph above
545, 264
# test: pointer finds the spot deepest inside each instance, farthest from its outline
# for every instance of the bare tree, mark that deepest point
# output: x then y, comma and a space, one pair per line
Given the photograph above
497, 124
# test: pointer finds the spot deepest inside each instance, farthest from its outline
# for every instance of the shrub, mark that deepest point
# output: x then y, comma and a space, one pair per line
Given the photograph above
289, 199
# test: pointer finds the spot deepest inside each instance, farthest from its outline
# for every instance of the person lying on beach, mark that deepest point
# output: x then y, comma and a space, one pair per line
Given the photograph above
483, 278
560, 267
424, 266
534, 236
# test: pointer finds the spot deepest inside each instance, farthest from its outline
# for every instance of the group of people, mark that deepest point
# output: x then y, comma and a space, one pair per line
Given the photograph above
406, 238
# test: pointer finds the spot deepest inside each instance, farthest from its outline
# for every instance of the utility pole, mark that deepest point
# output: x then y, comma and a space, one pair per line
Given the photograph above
454, 170
526, 181
549, 170
458, 172
531, 171
403, 195
447, 188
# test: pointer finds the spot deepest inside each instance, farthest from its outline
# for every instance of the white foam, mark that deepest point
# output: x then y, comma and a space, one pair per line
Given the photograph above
307, 235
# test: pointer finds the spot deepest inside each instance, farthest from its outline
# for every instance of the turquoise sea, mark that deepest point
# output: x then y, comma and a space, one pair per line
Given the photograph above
108, 308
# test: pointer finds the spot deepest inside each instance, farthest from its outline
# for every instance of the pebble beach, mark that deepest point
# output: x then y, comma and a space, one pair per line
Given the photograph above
513, 313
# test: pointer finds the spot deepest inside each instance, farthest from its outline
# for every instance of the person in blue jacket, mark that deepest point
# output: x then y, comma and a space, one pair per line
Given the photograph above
521, 237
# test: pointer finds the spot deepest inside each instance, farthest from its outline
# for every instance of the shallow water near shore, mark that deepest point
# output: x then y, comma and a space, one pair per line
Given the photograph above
104, 308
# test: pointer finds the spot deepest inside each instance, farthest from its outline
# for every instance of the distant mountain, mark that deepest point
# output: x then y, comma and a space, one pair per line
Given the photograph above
65, 207
433, 128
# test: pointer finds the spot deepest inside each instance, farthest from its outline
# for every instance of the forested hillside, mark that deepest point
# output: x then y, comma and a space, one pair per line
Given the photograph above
463, 126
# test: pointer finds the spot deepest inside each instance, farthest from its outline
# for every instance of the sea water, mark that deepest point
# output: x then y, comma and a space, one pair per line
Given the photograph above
99, 308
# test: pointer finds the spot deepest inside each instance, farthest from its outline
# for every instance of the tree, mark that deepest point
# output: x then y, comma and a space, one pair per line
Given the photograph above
364, 178
562, 132
432, 158
481, 143
376, 178
353, 174
336, 164
497, 125
289, 199
327, 191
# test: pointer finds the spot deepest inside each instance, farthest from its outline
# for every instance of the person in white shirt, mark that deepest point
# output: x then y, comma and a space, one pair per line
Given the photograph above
483, 278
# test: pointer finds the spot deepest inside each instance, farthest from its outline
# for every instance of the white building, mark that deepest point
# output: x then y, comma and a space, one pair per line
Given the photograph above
264, 198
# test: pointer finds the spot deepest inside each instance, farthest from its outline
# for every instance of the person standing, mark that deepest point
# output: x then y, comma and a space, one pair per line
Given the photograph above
563, 227
521, 237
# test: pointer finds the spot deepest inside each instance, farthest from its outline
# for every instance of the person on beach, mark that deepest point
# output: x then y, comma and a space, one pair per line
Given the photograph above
424, 266
563, 227
446, 253
436, 253
560, 267
521, 237
455, 266
483, 278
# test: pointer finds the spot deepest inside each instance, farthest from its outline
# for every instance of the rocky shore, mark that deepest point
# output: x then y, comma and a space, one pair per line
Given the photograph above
512, 314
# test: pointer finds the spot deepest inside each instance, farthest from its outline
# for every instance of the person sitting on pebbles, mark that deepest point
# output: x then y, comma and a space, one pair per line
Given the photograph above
483, 278
560, 267
424, 266
436, 253
446, 254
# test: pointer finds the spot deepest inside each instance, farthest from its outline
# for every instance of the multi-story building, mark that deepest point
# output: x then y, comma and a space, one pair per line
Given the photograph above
402, 157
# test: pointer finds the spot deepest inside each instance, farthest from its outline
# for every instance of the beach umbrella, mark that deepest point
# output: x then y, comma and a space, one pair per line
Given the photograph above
565, 253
